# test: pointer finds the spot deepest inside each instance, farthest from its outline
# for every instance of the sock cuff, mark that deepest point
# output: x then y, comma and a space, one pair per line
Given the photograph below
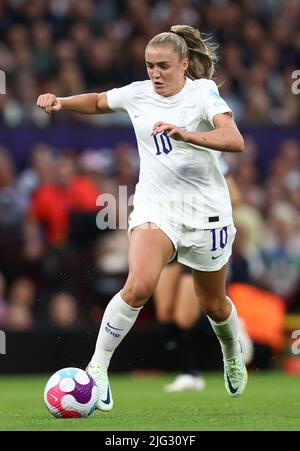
125, 305
228, 319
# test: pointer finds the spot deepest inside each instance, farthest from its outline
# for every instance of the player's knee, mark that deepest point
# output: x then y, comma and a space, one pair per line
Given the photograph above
213, 306
137, 293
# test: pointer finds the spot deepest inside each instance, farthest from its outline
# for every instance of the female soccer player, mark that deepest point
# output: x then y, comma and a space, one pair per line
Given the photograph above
181, 204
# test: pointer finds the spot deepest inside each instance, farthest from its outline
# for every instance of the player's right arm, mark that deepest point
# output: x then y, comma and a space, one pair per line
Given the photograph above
92, 103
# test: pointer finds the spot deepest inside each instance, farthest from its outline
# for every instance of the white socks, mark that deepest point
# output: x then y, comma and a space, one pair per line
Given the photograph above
228, 333
119, 318
117, 321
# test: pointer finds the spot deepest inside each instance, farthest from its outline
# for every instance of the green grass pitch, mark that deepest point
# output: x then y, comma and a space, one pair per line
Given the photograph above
270, 402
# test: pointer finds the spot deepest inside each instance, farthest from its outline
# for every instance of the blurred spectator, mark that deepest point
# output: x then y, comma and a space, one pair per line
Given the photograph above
168, 13
82, 36
63, 311
247, 248
70, 80
21, 300
225, 84
22, 292
49, 206
3, 301
133, 67
126, 167
12, 200
281, 250
289, 154
100, 71
247, 175
42, 43
239, 266
257, 107
40, 169
111, 253
18, 318
53, 202
110, 260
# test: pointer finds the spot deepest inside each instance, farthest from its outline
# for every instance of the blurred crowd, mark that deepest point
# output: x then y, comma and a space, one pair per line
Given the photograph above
73, 46
57, 268
56, 263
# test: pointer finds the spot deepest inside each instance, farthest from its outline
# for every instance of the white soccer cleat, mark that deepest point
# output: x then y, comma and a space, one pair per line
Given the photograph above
99, 374
235, 375
185, 382
246, 343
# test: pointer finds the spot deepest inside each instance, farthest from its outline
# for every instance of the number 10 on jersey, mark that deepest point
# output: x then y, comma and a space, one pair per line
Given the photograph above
163, 143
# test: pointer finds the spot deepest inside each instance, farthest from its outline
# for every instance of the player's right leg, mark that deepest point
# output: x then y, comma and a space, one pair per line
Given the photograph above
149, 251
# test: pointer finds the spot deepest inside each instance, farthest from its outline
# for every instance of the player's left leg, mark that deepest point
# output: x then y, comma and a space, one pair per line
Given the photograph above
222, 314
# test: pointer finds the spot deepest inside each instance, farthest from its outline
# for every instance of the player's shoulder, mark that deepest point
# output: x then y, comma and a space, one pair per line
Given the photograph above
203, 84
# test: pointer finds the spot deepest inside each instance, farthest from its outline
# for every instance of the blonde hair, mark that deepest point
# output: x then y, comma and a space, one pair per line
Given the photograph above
188, 43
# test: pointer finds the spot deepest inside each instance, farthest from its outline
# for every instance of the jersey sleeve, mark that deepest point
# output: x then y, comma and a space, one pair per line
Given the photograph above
118, 98
213, 103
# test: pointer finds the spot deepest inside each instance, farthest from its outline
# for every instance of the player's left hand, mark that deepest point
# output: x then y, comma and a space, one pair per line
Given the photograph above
180, 134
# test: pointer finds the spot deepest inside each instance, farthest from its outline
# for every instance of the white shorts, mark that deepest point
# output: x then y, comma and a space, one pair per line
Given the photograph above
204, 250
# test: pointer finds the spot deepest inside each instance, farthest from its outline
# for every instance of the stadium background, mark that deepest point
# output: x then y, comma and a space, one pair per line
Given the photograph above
58, 270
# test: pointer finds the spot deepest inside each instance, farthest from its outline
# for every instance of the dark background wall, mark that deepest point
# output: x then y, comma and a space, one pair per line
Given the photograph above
142, 349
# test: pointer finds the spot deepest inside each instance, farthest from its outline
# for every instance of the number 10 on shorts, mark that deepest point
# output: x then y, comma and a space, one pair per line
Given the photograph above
219, 238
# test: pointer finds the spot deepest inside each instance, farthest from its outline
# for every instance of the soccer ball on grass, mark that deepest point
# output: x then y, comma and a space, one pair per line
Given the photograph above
71, 393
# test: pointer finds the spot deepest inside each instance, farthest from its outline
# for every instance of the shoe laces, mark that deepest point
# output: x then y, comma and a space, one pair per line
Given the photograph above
97, 369
234, 371
99, 373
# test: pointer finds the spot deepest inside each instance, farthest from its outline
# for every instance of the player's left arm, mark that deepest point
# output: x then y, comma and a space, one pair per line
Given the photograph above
225, 137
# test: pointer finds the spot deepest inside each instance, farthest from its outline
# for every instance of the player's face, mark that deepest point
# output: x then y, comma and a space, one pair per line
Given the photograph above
165, 69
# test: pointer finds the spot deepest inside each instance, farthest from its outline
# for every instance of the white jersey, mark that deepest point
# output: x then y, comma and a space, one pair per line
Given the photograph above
184, 180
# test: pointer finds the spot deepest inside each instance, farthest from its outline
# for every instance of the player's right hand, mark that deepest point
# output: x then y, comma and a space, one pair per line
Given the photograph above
49, 103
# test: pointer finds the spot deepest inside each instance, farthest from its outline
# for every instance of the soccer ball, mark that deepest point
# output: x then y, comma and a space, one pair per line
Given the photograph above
71, 393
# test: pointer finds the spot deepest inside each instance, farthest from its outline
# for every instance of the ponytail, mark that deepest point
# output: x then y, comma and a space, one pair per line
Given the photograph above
189, 43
